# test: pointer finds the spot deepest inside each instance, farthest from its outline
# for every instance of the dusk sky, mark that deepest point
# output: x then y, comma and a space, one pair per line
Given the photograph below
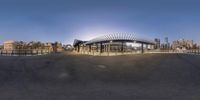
66, 20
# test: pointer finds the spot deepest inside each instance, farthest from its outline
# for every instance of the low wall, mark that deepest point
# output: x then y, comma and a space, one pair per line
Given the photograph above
107, 53
23, 52
192, 51
196, 52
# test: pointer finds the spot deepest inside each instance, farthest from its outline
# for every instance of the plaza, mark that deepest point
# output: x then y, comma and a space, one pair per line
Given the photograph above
67, 76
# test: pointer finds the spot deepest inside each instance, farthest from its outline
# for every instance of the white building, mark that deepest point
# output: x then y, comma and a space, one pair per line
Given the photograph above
9, 45
182, 44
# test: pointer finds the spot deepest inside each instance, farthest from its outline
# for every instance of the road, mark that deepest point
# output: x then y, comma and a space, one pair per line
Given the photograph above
80, 77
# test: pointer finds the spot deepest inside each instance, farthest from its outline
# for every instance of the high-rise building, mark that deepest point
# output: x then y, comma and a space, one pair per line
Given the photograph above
166, 44
166, 40
157, 43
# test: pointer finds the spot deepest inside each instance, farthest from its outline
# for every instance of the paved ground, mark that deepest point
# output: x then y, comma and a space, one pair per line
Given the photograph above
78, 77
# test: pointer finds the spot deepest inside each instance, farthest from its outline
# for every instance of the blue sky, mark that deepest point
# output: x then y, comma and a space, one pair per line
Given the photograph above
65, 20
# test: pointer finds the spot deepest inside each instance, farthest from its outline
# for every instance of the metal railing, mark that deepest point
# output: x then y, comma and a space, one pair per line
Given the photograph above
193, 51
23, 52
164, 51
169, 51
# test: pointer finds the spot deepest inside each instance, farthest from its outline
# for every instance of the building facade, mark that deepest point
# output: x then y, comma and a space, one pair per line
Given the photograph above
157, 43
182, 44
9, 45
33, 45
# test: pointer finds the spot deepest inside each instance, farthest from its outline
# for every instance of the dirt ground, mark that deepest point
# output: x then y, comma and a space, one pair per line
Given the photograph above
80, 77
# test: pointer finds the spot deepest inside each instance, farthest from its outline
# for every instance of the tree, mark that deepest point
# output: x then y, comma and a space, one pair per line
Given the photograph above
1, 47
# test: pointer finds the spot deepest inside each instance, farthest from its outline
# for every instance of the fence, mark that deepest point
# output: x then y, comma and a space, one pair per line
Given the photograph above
23, 52
164, 51
193, 51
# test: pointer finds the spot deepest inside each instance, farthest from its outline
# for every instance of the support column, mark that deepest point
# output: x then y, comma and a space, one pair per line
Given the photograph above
122, 47
89, 48
83, 49
78, 48
108, 49
97, 47
101, 47
105, 47
146, 46
93, 49
142, 47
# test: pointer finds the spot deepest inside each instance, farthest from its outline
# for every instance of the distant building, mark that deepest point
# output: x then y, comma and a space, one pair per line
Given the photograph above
195, 46
59, 47
68, 47
182, 44
198, 46
55, 47
166, 40
49, 46
157, 43
9, 45
33, 45
166, 44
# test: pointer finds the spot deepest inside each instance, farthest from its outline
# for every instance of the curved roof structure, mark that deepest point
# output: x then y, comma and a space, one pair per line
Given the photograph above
76, 42
119, 37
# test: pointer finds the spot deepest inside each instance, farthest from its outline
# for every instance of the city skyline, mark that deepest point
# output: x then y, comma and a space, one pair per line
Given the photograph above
66, 20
